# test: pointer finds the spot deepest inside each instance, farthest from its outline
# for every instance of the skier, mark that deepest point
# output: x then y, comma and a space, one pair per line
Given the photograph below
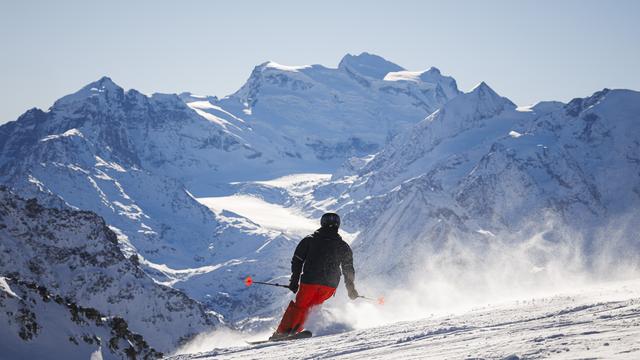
319, 258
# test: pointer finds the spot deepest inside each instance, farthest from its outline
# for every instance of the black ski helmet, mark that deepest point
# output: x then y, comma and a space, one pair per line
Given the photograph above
330, 220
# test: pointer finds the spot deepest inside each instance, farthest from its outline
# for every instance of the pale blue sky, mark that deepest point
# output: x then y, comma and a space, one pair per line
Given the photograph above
526, 50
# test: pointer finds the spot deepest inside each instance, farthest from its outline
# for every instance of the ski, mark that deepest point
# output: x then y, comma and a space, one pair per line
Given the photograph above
301, 335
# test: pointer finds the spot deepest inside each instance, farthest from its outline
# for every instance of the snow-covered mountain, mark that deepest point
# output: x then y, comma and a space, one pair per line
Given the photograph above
73, 254
121, 154
480, 175
426, 177
136, 160
38, 325
312, 118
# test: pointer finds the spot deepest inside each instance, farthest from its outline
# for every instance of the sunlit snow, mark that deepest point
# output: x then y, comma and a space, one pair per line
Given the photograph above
6, 288
280, 67
68, 133
295, 179
270, 216
595, 322
404, 76
514, 134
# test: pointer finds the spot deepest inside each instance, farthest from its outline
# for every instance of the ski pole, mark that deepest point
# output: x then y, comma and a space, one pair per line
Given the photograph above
266, 283
249, 281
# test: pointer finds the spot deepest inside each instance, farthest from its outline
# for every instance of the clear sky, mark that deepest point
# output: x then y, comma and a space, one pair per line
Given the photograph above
526, 50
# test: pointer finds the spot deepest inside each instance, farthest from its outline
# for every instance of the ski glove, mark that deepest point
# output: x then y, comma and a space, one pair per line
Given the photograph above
353, 293
293, 286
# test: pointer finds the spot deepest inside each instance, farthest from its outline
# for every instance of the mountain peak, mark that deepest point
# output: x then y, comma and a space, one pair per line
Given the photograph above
288, 68
104, 82
433, 70
481, 102
481, 88
369, 65
103, 87
485, 93
577, 105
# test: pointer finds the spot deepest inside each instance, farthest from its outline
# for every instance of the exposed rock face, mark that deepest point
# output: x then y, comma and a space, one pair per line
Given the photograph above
124, 156
75, 255
38, 324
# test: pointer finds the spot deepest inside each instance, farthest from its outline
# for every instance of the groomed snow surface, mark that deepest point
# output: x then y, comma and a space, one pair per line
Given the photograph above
601, 322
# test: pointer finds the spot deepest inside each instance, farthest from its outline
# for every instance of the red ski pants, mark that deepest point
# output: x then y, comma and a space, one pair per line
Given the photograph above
308, 296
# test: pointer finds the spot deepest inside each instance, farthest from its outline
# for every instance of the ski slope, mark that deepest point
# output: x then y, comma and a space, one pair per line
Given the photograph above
602, 322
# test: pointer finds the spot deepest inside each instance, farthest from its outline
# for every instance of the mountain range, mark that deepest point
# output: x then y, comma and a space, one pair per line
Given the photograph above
425, 176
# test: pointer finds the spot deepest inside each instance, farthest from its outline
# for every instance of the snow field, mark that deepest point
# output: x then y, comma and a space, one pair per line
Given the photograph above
287, 219
600, 322
270, 216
